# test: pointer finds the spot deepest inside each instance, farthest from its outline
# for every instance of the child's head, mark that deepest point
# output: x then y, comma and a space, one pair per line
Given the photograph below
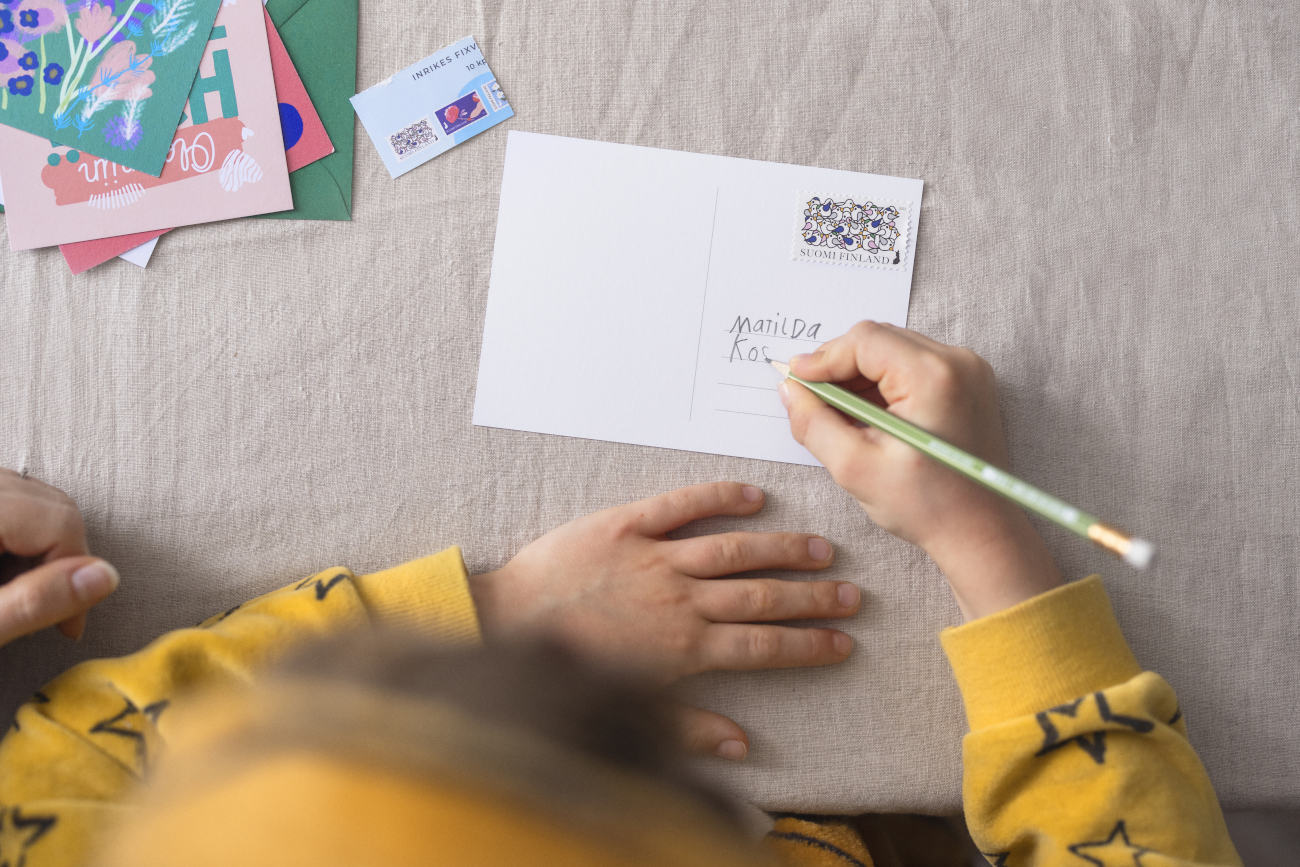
385, 749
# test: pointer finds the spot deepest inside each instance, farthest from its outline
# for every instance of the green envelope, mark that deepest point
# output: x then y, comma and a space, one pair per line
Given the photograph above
321, 38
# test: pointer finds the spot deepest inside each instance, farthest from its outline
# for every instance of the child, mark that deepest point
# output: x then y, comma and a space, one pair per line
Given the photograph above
1075, 755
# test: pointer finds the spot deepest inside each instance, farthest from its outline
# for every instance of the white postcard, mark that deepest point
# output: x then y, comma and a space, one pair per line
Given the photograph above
637, 294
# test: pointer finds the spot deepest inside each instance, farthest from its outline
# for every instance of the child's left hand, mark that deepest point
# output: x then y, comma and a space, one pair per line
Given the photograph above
613, 586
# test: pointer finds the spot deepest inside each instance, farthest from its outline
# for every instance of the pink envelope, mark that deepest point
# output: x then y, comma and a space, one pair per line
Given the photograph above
305, 139
85, 255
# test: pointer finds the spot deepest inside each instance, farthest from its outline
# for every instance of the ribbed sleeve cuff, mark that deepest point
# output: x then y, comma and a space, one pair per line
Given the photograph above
429, 595
1041, 653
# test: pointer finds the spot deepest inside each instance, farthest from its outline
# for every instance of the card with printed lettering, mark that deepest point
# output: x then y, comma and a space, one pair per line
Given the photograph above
226, 159
431, 106
107, 77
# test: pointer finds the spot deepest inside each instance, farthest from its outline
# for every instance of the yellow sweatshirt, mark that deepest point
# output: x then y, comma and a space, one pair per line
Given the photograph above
1075, 755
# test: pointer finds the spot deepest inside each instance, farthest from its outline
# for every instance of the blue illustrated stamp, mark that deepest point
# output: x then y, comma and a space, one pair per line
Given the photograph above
461, 113
495, 97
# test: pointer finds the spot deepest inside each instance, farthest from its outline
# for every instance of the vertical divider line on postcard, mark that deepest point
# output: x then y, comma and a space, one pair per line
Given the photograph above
708, 265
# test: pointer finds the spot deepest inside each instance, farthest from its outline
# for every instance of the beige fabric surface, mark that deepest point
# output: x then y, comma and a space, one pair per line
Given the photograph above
1110, 217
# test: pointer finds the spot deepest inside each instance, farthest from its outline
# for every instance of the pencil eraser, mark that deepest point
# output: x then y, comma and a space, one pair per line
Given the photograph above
1140, 552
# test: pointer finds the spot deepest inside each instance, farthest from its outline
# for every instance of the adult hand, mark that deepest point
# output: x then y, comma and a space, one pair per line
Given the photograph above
984, 544
611, 585
41, 528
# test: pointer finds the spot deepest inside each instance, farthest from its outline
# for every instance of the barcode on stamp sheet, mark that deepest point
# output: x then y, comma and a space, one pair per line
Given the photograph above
412, 139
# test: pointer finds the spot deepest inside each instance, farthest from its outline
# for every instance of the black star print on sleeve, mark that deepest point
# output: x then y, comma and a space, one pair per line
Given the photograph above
1052, 737
1094, 746
130, 723
1141, 726
217, 618
322, 588
815, 843
37, 698
1114, 851
18, 833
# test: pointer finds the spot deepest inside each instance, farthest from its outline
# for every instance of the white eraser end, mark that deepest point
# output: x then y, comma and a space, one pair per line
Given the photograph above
1139, 554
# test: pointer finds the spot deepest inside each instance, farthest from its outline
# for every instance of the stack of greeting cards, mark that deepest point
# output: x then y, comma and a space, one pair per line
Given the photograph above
121, 119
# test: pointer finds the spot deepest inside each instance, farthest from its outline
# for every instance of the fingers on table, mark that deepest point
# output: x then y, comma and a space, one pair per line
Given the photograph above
704, 733
743, 647
728, 553
35, 525
53, 593
659, 515
754, 600
74, 627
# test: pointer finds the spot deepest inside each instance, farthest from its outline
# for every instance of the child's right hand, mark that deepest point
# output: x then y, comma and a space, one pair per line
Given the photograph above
984, 544
43, 542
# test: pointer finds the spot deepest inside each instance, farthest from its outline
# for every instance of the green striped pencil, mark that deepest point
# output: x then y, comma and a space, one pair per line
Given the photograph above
1136, 552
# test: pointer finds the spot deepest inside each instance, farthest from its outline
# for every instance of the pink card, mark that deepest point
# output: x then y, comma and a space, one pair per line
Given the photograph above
226, 159
305, 139
305, 142
85, 255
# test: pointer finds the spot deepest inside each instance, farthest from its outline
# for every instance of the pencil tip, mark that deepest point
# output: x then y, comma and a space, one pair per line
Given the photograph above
781, 367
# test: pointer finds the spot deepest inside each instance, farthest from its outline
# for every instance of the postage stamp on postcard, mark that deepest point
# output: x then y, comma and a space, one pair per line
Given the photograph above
848, 230
412, 139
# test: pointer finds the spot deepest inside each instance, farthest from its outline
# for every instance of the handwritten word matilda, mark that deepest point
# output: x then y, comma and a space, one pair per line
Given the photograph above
779, 327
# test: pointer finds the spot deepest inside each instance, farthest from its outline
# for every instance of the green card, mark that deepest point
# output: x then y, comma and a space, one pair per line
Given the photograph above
108, 78
321, 38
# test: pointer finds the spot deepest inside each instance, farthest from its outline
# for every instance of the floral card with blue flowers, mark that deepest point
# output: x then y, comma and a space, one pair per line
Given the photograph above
226, 159
108, 77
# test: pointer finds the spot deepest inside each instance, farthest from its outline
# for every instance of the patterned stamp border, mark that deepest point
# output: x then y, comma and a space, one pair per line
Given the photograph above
840, 229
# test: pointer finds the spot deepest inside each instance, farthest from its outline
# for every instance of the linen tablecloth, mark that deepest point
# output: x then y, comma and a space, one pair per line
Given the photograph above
1110, 218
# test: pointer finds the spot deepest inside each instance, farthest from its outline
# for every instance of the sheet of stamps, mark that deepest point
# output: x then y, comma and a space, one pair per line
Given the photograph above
432, 106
